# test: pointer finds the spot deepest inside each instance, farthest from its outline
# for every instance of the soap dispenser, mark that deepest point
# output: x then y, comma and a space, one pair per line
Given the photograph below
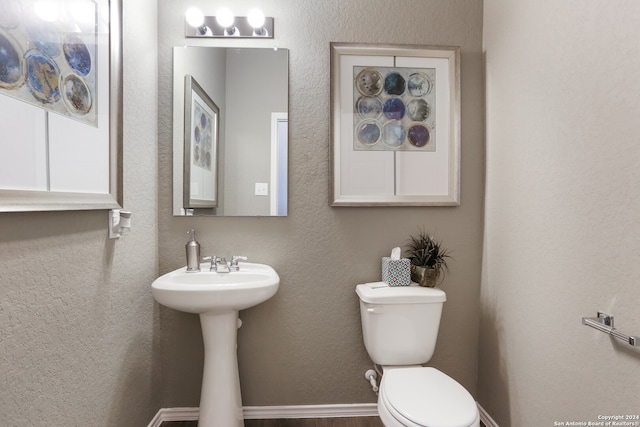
193, 253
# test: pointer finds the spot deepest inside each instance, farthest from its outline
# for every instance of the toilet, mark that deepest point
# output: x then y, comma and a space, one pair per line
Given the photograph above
400, 327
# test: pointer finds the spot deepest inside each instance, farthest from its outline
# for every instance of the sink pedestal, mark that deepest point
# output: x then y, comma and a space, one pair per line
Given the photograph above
220, 399
218, 298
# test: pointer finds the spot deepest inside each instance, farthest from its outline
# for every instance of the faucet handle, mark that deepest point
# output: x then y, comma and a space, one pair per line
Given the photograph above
213, 259
234, 262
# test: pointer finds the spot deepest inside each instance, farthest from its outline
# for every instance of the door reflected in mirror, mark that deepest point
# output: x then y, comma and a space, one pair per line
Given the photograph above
244, 156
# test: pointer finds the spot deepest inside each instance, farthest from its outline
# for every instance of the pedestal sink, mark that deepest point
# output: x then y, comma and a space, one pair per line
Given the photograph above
217, 298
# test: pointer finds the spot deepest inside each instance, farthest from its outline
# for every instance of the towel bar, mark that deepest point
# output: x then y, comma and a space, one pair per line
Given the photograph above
604, 322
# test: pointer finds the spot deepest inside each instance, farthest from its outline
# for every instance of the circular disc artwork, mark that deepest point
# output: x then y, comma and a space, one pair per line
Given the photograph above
394, 109
418, 110
419, 135
43, 77
393, 134
368, 132
369, 107
419, 84
394, 84
369, 82
395, 105
76, 95
10, 64
76, 53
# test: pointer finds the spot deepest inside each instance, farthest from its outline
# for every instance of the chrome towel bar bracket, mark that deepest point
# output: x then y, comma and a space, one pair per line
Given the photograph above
604, 322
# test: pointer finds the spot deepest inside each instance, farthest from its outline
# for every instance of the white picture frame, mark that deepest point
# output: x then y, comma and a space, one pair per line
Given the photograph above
398, 170
201, 133
76, 156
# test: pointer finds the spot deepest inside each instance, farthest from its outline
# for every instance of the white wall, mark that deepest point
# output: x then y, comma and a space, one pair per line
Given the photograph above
561, 227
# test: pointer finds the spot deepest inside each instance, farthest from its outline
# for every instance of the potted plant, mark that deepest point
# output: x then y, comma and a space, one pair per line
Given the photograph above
428, 259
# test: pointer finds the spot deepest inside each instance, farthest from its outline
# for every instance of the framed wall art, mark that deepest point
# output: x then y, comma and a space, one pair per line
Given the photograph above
60, 105
201, 121
395, 125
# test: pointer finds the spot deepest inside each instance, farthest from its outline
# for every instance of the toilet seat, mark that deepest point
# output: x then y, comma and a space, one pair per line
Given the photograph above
425, 397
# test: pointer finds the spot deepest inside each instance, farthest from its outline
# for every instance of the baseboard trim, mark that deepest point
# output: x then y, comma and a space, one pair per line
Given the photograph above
292, 411
175, 414
275, 412
311, 411
486, 418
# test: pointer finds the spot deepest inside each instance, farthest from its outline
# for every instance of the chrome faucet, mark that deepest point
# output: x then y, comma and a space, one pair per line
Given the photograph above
219, 264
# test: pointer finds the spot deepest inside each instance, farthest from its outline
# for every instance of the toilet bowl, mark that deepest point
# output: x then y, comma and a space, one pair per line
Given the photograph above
400, 327
424, 397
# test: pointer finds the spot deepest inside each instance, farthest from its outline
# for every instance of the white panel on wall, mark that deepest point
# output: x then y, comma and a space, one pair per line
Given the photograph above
23, 135
81, 150
397, 172
362, 172
421, 173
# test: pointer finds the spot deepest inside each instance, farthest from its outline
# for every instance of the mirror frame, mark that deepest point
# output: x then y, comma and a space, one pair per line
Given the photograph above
27, 200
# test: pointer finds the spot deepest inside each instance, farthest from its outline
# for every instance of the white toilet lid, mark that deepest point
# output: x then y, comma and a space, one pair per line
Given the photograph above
429, 398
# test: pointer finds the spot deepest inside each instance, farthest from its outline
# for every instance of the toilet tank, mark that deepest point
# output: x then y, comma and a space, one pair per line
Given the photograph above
400, 323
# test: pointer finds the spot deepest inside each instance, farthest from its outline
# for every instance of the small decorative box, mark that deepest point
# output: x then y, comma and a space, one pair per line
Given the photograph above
396, 272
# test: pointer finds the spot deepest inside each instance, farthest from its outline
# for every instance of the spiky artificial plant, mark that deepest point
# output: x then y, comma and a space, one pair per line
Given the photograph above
423, 250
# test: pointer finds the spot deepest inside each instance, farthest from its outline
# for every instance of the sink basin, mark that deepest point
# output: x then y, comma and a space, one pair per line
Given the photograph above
206, 291
217, 298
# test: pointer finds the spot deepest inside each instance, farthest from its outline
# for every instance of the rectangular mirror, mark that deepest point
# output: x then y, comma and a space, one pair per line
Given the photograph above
60, 106
230, 145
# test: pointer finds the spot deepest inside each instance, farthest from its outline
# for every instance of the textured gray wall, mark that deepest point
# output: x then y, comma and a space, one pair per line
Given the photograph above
304, 346
561, 211
77, 335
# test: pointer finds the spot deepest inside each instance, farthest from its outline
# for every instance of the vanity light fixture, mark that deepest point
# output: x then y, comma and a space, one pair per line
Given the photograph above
225, 24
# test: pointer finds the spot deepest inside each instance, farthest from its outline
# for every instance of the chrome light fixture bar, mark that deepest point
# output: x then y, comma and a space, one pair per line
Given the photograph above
226, 25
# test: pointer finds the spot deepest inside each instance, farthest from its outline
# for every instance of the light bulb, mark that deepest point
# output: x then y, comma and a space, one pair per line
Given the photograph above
255, 18
225, 18
194, 17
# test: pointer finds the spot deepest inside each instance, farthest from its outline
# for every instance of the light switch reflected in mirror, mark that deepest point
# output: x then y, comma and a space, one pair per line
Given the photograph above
250, 89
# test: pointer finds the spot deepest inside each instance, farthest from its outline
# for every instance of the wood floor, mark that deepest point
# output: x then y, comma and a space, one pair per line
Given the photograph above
316, 422
306, 422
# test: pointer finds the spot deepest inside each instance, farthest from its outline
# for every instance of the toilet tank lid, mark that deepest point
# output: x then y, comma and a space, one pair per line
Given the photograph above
381, 293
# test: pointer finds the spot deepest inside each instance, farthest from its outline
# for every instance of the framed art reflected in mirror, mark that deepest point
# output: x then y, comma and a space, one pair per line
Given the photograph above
201, 123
